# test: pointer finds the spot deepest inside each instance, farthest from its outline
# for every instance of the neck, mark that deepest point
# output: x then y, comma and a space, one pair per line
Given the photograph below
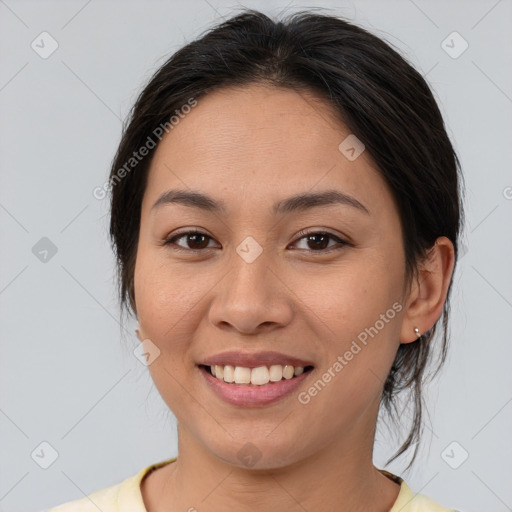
340, 477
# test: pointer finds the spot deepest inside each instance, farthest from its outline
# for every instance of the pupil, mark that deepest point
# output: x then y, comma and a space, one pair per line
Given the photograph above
321, 244
195, 237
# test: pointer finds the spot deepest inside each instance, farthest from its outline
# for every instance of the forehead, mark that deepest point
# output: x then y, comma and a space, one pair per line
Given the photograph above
258, 142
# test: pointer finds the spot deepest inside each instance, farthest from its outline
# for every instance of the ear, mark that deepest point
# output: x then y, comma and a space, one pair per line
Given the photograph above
428, 291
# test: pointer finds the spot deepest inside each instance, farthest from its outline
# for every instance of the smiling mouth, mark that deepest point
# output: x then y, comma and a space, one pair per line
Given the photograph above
258, 376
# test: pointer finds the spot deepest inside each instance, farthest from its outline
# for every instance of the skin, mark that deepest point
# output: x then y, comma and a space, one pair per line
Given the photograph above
251, 147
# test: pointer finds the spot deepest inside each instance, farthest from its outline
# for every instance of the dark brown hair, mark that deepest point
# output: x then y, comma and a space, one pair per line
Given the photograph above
381, 98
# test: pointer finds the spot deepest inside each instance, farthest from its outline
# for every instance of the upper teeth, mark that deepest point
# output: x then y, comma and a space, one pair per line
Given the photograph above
257, 376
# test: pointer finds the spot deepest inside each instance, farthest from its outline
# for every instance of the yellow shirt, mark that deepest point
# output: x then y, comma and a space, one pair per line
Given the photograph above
127, 497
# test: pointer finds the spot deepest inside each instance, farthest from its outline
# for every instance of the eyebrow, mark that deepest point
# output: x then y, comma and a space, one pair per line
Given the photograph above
299, 202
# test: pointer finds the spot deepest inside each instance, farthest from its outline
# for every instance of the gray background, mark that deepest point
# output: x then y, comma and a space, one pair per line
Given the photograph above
68, 374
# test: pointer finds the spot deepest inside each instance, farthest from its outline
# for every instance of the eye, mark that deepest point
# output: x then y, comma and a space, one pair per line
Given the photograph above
198, 239
316, 241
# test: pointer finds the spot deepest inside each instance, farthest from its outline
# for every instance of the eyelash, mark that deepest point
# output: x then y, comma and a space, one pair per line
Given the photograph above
302, 234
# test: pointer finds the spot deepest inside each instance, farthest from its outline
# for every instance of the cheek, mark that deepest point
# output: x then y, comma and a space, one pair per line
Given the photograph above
358, 313
347, 300
166, 297
165, 306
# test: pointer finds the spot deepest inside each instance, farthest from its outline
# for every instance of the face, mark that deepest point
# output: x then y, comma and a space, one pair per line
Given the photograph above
312, 285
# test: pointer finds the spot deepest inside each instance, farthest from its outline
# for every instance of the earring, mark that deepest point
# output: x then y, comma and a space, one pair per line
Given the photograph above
417, 332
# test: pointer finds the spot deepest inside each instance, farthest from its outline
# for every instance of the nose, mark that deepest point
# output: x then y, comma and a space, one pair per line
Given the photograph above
252, 298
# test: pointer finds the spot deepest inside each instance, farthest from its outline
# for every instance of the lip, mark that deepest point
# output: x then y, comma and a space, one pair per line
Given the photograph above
248, 360
244, 395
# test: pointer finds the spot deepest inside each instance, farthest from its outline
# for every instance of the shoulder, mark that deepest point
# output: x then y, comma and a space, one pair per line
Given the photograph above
408, 501
104, 499
123, 496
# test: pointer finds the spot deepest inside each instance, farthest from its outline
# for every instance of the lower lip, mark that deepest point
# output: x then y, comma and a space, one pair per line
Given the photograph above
249, 395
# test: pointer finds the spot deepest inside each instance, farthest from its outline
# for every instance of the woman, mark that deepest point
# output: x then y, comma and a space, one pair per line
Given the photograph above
285, 214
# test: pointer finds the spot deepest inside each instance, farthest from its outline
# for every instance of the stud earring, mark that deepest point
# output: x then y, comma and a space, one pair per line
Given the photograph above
417, 332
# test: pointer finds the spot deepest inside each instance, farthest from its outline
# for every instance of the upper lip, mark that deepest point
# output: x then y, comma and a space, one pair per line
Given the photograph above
267, 358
